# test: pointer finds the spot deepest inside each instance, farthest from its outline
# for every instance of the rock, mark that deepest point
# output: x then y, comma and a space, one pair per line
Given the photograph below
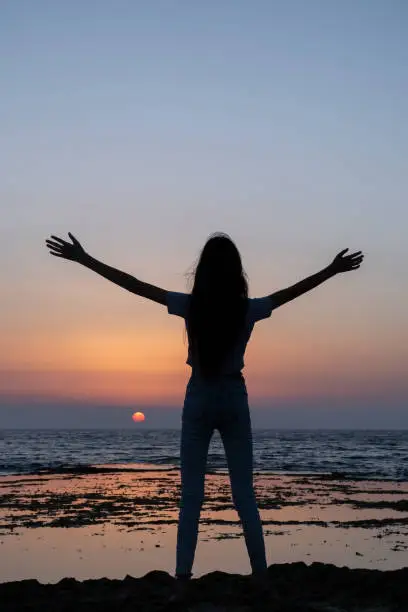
294, 587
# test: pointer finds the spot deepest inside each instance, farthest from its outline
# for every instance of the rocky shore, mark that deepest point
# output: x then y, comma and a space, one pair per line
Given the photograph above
294, 587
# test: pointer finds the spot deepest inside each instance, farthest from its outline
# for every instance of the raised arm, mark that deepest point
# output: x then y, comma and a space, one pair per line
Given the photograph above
341, 263
75, 252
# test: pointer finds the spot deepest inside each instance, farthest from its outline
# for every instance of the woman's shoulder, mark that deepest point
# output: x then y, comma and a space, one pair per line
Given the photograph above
259, 308
177, 302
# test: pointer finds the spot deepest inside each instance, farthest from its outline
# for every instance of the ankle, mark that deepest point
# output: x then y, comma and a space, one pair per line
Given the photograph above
183, 577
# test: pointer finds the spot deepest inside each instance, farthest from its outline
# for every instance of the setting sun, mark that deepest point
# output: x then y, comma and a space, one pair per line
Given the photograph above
138, 417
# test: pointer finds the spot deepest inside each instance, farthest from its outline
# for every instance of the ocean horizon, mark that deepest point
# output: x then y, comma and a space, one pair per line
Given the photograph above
353, 453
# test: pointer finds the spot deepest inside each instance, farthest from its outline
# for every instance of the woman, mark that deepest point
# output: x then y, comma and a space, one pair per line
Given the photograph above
219, 319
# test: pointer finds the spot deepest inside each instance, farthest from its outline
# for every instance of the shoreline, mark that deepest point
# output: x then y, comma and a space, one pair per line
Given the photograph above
102, 523
110, 468
100, 493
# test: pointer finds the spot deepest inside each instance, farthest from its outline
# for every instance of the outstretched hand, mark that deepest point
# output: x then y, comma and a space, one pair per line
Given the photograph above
345, 263
67, 250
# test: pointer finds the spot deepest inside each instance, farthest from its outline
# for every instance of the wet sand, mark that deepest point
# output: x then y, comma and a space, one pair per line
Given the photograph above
107, 522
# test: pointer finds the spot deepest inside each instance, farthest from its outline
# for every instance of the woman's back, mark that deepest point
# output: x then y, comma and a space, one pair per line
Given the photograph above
257, 309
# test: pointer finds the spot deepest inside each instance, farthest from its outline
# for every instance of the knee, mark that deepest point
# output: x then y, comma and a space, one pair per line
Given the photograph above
244, 497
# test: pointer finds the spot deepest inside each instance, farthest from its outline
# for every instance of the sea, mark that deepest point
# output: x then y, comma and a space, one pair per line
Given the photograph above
358, 454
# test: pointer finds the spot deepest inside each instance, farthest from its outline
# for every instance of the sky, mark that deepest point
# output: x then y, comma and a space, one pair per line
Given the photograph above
143, 127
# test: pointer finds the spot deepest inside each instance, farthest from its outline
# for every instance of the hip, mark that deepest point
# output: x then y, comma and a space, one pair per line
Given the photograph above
223, 382
226, 396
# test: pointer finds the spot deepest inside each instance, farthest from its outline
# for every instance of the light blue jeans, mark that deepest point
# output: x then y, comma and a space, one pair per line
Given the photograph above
220, 404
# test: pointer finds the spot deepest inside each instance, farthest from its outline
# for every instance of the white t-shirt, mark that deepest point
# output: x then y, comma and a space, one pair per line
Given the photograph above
258, 309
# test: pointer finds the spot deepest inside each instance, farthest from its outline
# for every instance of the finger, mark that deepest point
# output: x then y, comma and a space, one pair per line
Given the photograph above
59, 240
50, 243
53, 251
57, 254
355, 256
74, 240
342, 252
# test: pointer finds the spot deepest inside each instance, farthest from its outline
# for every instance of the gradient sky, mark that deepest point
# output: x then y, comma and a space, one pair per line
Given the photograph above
142, 127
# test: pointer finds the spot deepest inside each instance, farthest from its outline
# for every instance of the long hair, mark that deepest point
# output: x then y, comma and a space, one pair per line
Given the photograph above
218, 303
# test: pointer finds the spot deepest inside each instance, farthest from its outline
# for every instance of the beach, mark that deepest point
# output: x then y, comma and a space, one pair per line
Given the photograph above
108, 532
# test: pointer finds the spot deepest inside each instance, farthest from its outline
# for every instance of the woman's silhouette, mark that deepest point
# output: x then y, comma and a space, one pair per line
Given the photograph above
219, 319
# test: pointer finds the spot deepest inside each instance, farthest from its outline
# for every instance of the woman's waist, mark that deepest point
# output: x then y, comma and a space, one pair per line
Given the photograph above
221, 383
217, 378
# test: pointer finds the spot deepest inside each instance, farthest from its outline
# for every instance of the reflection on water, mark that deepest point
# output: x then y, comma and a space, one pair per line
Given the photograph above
87, 552
124, 522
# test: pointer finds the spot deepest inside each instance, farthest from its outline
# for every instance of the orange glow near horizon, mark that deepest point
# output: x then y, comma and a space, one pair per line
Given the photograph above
167, 388
129, 365
94, 350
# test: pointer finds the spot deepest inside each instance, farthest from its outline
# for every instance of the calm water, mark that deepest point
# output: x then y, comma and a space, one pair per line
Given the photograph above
367, 454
